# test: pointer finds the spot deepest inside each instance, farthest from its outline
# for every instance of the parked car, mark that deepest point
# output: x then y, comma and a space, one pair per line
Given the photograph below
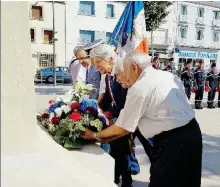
46, 75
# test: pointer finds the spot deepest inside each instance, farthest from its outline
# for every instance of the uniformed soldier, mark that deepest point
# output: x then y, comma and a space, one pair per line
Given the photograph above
218, 90
199, 84
187, 78
155, 63
211, 84
170, 68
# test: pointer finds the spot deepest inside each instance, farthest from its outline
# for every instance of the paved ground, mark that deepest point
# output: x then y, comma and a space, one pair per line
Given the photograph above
209, 120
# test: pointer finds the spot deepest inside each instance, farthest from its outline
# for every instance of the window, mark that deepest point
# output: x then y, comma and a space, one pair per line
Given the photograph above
201, 12
183, 32
183, 10
37, 12
108, 36
215, 36
200, 35
216, 15
32, 33
110, 11
86, 8
86, 36
48, 36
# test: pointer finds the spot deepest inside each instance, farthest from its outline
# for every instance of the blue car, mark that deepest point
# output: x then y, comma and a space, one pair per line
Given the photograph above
46, 75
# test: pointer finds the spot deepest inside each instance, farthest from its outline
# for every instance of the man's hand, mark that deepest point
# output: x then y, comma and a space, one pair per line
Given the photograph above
89, 135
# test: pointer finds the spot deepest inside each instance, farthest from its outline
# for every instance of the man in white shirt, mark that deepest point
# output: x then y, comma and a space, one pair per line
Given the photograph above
157, 104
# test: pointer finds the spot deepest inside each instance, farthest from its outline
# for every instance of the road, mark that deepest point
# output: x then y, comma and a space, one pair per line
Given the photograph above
209, 120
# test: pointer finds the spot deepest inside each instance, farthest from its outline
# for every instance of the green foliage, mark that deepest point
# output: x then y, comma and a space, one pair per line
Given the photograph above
155, 13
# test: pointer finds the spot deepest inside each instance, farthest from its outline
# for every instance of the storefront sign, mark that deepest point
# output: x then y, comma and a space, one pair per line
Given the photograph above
201, 55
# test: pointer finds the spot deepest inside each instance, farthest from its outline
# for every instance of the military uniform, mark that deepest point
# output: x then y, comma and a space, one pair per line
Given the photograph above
218, 90
187, 79
199, 84
170, 69
211, 79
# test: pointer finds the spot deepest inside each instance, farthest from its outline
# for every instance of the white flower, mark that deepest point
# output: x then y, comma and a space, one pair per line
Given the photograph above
51, 115
58, 111
66, 109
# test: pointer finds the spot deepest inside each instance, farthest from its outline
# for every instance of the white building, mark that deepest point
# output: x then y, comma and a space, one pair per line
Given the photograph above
194, 31
76, 23
41, 29
89, 21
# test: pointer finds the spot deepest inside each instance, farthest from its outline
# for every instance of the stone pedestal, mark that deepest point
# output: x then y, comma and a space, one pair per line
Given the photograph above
29, 156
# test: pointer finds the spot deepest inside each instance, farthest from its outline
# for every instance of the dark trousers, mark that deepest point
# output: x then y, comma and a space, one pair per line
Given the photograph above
211, 96
199, 96
188, 89
119, 151
177, 157
146, 145
219, 98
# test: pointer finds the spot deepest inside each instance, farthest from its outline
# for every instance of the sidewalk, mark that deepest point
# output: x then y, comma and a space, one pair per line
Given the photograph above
209, 120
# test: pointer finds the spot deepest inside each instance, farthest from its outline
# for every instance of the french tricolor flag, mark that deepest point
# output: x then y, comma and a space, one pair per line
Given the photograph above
130, 31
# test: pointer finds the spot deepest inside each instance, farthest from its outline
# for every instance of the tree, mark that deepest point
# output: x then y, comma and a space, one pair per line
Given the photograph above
155, 13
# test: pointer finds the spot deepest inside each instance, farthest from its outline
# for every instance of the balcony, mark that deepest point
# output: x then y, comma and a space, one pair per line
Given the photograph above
215, 45
160, 40
199, 43
182, 42
216, 22
183, 18
200, 20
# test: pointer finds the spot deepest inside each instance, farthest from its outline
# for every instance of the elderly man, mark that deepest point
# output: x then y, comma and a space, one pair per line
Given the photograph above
161, 111
92, 75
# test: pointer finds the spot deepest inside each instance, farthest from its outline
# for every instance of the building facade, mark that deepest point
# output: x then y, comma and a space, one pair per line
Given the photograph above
76, 23
41, 31
90, 20
191, 31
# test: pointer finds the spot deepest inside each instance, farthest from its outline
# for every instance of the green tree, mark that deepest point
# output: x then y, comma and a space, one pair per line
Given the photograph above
155, 13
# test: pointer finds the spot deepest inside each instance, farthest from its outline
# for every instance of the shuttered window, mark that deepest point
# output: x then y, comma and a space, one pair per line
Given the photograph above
48, 36
37, 12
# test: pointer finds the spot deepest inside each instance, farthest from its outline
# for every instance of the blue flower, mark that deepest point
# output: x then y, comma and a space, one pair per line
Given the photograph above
54, 106
86, 104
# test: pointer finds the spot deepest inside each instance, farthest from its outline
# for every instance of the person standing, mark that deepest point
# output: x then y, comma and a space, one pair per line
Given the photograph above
211, 84
104, 58
199, 84
155, 63
170, 68
92, 75
187, 78
163, 113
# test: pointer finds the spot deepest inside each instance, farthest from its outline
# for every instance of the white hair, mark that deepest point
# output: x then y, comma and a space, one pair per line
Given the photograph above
140, 58
77, 48
104, 51
119, 66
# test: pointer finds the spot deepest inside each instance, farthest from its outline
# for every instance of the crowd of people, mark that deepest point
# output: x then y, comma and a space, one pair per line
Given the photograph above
151, 105
197, 81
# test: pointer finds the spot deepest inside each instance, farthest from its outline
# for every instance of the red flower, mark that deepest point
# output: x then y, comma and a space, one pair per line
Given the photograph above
51, 102
74, 106
75, 116
55, 121
45, 116
108, 115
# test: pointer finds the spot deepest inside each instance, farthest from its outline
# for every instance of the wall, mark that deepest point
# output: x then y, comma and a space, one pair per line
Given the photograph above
47, 23
98, 22
17, 97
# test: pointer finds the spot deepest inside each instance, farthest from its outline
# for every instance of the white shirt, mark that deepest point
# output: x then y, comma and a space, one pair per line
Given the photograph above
82, 74
155, 103
102, 84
